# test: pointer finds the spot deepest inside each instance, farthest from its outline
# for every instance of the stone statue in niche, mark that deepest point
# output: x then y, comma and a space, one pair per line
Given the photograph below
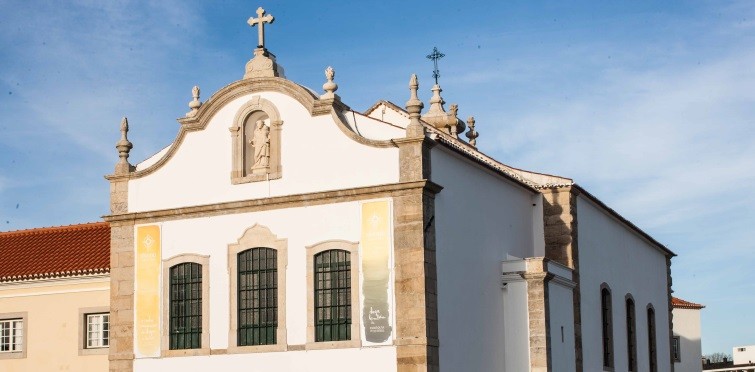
260, 142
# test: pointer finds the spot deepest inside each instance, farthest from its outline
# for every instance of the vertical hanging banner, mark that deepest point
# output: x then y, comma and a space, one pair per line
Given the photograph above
147, 291
376, 253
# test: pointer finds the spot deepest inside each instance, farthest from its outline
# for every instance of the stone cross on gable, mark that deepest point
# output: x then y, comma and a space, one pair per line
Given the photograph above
261, 20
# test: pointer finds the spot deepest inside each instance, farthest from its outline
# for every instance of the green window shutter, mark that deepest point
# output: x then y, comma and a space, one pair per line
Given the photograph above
185, 306
332, 295
257, 297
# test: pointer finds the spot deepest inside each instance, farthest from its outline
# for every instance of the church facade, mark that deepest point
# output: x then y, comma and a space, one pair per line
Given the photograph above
284, 231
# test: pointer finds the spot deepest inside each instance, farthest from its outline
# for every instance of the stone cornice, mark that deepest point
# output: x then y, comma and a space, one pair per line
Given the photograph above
278, 202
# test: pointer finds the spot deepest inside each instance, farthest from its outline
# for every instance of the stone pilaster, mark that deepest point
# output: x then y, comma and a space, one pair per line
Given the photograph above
416, 272
669, 283
121, 296
561, 245
537, 279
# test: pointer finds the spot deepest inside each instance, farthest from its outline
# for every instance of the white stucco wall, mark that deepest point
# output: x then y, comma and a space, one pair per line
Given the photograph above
687, 328
609, 252
745, 356
302, 227
561, 311
481, 219
316, 156
382, 359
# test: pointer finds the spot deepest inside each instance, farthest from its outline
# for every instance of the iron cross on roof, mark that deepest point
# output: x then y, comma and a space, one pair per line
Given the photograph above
435, 56
261, 20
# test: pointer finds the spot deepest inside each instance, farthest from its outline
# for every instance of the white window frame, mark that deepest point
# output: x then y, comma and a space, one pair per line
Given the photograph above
100, 335
84, 341
16, 332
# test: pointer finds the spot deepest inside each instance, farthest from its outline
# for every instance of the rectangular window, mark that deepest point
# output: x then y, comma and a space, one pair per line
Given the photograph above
332, 296
675, 349
257, 297
185, 306
98, 330
11, 335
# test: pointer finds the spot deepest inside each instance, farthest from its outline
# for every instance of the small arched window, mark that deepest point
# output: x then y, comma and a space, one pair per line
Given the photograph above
652, 352
631, 334
185, 317
332, 295
257, 297
606, 315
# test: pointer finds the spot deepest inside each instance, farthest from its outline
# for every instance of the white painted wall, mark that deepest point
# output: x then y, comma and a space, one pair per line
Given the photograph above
612, 253
480, 219
302, 227
561, 310
687, 327
745, 356
380, 359
316, 156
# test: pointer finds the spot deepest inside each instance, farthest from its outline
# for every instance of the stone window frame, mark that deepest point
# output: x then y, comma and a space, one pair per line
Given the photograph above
203, 260
606, 328
83, 312
676, 343
257, 236
356, 337
631, 342
275, 170
24, 316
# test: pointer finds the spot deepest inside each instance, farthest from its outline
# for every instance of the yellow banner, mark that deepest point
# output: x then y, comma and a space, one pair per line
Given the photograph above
147, 291
376, 250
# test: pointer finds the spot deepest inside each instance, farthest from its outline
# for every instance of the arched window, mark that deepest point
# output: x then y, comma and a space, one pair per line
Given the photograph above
257, 297
332, 295
185, 317
257, 275
652, 353
606, 315
631, 334
333, 299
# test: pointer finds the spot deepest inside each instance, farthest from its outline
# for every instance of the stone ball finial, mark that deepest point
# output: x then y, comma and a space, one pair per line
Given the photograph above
330, 87
195, 103
472, 133
123, 146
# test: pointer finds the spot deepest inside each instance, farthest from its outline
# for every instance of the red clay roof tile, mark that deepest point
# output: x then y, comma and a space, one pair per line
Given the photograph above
678, 303
55, 251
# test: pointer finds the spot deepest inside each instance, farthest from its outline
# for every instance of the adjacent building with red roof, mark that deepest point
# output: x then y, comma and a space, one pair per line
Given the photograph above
55, 298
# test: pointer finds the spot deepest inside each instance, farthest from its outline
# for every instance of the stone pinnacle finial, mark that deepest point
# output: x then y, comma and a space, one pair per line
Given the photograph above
472, 133
195, 103
123, 146
330, 87
414, 107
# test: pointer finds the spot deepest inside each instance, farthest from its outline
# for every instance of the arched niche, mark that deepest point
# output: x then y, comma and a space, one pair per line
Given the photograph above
256, 140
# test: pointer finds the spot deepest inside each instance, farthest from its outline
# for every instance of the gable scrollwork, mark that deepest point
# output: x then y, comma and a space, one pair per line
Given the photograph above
256, 141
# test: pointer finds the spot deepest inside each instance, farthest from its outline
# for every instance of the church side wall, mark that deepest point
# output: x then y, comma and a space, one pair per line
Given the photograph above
481, 220
687, 328
561, 322
313, 158
611, 253
301, 227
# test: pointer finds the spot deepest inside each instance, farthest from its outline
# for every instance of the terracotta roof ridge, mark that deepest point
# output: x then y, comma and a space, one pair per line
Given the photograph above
55, 274
50, 229
683, 304
387, 103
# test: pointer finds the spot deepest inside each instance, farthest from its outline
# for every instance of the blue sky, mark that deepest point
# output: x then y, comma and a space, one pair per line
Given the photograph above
649, 105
